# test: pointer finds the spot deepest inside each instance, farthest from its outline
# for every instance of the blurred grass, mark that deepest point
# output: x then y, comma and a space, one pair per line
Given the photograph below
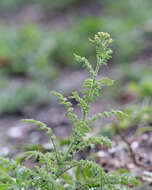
25, 51
13, 5
26, 71
34, 56
141, 85
46, 5
124, 20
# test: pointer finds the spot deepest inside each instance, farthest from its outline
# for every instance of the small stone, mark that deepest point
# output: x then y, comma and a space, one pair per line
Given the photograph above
134, 145
15, 132
4, 151
48, 146
102, 154
144, 136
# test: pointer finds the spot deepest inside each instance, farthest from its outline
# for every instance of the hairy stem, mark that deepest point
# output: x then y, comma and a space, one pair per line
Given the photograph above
91, 90
62, 172
55, 150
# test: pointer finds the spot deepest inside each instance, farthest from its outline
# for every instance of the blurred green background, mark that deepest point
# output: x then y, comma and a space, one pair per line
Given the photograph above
38, 39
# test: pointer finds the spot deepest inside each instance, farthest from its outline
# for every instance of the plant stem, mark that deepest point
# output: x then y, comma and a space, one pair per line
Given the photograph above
61, 173
68, 151
55, 150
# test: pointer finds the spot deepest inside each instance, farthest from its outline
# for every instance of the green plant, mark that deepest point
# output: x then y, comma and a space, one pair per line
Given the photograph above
59, 170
